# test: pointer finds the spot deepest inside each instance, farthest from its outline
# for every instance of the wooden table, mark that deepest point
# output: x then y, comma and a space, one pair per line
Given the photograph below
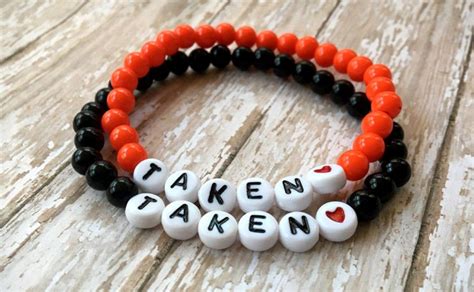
57, 233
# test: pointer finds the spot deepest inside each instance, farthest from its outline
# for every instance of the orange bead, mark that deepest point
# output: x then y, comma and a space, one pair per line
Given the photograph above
124, 77
130, 155
267, 39
354, 163
186, 36
357, 66
305, 47
387, 102
225, 33
169, 41
122, 99
376, 70
324, 54
137, 63
372, 145
114, 118
378, 85
245, 36
287, 43
122, 135
377, 122
154, 53
342, 58
206, 36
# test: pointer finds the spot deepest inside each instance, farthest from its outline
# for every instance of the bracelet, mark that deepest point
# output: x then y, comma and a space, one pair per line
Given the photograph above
381, 140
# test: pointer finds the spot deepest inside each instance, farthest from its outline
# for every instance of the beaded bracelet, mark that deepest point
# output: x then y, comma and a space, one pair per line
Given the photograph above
381, 140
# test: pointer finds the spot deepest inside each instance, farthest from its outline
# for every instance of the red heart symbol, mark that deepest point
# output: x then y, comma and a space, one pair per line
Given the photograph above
336, 215
323, 169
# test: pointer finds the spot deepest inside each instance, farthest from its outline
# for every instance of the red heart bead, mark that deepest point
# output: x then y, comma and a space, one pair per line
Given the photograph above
323, 169
337, 215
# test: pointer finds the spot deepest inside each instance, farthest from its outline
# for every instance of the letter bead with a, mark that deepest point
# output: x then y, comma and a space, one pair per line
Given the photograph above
180, 220
182, 185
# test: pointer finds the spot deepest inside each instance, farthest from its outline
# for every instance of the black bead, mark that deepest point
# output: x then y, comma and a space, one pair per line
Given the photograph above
161, 72
243, 58
398, 169
359, 105
83, 158
89, 137
380, 185
366, 205
101, 98
264, 59
322, 82
199, 60
341, 91
120, 191
304, 72
93, 107
179, 63
85, 119
397, 132
100, 174
395, 149
220, 56
109, 85
145, 82
283, 65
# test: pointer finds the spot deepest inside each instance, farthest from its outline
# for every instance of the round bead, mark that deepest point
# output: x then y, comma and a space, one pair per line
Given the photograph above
169, 41
372, 145
342, 59
358, 105
324, 54
100, 174
293, 193
179, 63
85, 119
122, 99
101, 98
354, 163
199, 60
377, 122
83, 158
304, 72
305, 47
145, 83
150, 175
161, 72
267, 39
225, 33
381, 185
220, 56
245, 36
218, 229
283, 65
341, 91
287, 43
120, 191
144, 210
258, 231
122, 135
206, 36
397, 132
137, 63
357, 67
182, 185
89, 137
395, 149
186, 36
124, 77
114, 118
387, 102
93, 107
376, 70
217, 195
255, 194
397, 169
264, 59
327, 178
337, 221
322, 82
154, 53
129, 155
243, 58
367, 206
378, 85
180, 220
298, 231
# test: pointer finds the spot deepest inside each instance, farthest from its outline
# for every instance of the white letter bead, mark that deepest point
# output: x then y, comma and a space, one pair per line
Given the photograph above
150, 175
337, 221
327, 178
217, 229
182, 185
144, 210
258, 230
180, 220
293, 193
217, 195
299, 231
255, 194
